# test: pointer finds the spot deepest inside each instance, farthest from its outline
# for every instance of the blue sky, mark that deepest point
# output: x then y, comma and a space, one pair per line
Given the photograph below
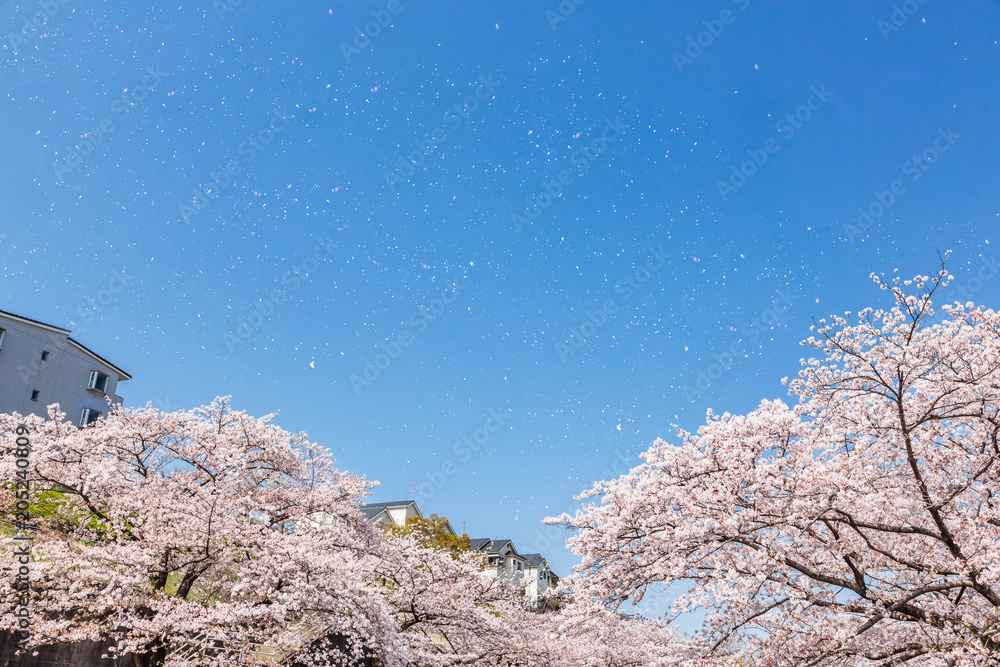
436, 262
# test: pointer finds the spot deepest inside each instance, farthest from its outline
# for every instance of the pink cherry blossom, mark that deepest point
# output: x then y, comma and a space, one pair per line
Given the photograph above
167, 528
212, 537
860, 526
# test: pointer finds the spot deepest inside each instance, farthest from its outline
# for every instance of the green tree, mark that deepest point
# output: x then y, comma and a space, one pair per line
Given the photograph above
433, 532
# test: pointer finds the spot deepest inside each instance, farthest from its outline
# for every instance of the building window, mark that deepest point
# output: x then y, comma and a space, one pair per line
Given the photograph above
88, 417
98, 382
45, 355
2, 332
34, 395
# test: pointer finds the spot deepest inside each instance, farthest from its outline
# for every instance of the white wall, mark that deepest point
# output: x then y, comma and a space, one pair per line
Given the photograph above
401, 514
62, 378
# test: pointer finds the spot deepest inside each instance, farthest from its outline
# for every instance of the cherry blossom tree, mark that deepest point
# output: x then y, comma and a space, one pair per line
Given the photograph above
582, 634
450, 608
861, 526
212, 537
434, 532
158, 530
453, 610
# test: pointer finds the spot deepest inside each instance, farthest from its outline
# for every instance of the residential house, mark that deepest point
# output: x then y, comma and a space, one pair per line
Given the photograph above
396, 514
502, 558
537, 576
41, 364
530, 570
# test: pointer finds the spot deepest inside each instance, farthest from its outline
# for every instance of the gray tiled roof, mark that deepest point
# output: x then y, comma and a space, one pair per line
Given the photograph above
533, 559
491, 546
371, 510
398, 503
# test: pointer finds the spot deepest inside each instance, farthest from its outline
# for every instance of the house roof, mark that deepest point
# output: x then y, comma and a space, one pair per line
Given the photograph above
398, 503
372, 510
122, 375
22, 318
492, 546
533, 559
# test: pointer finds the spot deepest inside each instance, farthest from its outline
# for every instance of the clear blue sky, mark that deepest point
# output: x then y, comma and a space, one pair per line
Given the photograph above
879, 97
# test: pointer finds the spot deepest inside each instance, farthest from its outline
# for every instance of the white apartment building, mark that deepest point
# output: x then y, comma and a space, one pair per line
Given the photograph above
397, 514
530, 570
537, 576
392, 514
41, 364
502, 559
